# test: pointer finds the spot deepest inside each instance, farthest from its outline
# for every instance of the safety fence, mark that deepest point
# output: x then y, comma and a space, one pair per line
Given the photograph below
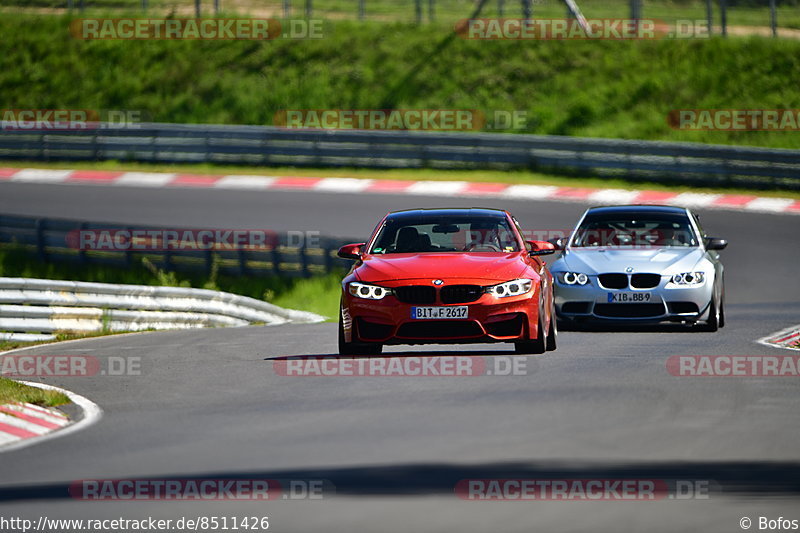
34, 309
287, 254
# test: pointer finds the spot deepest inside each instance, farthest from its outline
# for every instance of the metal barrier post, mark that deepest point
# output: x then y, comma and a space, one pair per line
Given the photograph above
773, 17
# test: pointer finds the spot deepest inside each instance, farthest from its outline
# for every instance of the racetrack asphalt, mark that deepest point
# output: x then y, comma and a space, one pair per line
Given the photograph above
210, 404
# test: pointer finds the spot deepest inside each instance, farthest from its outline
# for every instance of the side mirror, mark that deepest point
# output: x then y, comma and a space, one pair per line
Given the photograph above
712, 243
541, 248
351, 251
559, 243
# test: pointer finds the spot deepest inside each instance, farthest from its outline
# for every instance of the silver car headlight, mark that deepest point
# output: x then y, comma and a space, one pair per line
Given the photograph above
514, 287
369, 292
686, 279
573, 278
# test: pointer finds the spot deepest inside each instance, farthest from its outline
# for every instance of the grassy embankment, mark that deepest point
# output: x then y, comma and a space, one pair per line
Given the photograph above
620, 89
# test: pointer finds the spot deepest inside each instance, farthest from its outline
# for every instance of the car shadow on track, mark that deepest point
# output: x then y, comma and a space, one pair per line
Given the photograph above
723, 478
385, 355
592, 327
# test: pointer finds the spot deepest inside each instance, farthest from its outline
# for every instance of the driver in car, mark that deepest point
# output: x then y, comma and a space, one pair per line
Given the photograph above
484, 237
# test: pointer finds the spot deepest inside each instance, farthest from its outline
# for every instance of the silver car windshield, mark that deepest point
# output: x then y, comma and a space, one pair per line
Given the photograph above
635, 229
445, 234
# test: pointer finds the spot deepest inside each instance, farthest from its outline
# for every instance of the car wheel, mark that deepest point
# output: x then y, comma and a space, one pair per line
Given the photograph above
535, 346
356, 348
552, 334
722, 311
712, 324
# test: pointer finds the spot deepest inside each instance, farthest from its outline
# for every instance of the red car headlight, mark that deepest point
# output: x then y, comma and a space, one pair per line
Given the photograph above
368, 292
514, 287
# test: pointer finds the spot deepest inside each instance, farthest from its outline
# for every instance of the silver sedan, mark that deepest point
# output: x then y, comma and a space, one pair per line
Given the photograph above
640, 264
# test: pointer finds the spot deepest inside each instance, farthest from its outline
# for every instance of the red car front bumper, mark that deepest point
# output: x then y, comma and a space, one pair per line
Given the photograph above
489, 319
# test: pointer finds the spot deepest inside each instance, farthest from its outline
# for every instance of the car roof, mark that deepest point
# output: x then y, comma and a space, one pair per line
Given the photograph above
639, 208
446, 211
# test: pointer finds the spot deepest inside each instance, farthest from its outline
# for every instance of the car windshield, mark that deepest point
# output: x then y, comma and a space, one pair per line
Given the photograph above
639, 229
445, 234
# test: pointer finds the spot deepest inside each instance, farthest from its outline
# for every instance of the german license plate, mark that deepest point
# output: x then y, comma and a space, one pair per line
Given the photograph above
439, 313
628, 297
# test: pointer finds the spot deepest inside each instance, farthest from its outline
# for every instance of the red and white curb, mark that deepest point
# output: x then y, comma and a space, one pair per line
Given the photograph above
788, 339
24, 424
736, 202
20, 421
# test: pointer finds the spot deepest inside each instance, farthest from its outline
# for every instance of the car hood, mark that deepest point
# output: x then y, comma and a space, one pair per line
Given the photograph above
488, 266
599, 260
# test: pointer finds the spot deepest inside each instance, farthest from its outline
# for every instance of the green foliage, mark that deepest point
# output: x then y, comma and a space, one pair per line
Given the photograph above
213, 277
12, 391
106, 322
167, 279
620, 89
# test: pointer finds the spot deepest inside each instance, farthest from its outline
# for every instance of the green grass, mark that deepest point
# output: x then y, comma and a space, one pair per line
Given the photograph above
12, 391
317, 294
619, 89
6, 345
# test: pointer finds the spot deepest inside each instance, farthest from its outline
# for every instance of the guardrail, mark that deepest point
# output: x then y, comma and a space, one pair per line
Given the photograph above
33, 309
281, 255
263, 145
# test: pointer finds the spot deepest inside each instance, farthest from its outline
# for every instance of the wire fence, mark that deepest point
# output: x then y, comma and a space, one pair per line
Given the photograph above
776, 17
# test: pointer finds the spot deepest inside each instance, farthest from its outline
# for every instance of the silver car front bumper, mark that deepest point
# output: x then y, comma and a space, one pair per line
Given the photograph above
658, 304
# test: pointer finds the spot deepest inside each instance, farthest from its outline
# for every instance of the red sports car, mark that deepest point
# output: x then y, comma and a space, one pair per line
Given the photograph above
447, 276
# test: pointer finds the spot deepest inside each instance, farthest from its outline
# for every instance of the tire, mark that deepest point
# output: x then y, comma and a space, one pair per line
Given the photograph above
712, 324
552, 333
722, 311
356, 348
536, 346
